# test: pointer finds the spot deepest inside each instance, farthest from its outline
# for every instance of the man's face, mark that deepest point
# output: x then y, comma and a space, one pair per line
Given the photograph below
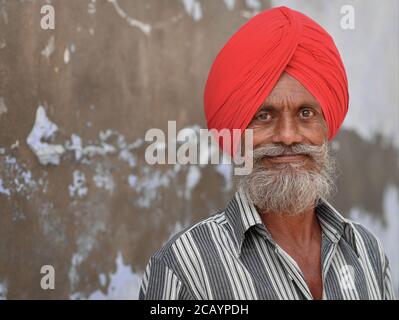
292, 167
289, 116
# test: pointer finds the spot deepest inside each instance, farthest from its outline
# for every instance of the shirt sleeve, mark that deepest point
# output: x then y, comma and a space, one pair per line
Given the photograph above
161, 283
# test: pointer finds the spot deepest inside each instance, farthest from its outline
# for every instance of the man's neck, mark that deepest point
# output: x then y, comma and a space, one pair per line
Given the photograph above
301, 229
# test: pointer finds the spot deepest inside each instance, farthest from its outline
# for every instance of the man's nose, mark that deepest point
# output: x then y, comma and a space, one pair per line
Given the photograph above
287, 132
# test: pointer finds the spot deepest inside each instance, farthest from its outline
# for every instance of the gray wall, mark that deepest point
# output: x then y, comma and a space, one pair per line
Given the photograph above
110, 71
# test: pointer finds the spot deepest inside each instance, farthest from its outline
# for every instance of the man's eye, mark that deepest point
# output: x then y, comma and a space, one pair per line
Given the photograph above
306, 113
263, 116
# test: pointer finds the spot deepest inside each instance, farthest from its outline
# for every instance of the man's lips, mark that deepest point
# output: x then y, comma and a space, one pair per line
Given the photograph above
288, 158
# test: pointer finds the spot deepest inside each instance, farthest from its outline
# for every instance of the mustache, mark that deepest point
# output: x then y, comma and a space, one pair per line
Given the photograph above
273, 150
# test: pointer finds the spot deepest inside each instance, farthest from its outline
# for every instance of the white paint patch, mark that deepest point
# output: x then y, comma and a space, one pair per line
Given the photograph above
132, 180
193, 9
51, 224
44, 129
226, 170
76, 145
192, 179
124, 283
103, 147
388, 233
73, 275
144, 27
68, 52
67, 55
16, 178
103, 179
72, 47
78, 186
3, 290
4, 190
230, 4
148, 185
24, 180
91, 7
92, 150
4, 13
103, 279
50, 47
128, 156
94, 221
254, 5
3, 44
3, 107
15, 145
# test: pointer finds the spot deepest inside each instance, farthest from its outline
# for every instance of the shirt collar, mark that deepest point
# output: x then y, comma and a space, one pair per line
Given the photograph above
242, 216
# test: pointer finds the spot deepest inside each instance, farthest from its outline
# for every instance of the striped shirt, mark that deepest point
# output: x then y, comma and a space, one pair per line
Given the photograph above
231, 255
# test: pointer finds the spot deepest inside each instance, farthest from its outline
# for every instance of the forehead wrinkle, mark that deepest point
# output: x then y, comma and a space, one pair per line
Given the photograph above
295, 98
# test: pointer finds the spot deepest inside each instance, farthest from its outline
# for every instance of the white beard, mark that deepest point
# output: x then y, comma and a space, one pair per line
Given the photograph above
288, 188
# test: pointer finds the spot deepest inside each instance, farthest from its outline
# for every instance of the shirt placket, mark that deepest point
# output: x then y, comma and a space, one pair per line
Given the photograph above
328, 249
294, 272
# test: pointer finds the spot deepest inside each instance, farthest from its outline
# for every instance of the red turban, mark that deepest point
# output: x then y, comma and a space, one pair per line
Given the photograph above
252, 61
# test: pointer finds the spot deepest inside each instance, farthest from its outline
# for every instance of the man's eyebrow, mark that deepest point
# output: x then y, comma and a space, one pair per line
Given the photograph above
267, 107
270, 107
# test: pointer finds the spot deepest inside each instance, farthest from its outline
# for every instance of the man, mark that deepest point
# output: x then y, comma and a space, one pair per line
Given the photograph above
278, 238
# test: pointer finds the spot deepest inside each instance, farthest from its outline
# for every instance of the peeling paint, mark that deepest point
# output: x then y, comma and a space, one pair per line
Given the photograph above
226, 170
230, 4
254, 5
388, 232
132, 180
4, 13
91, 7
67, 55
3, 44
144, 27
44, 129
3, 107
147, 185
78, 186
3, 290
4, 190
124, 283
15, 145
193, 9
73, 275
91, 150
103, 179
85, 244
192, 179
76, 145
68, 52
17, 179
50, 47
103, 279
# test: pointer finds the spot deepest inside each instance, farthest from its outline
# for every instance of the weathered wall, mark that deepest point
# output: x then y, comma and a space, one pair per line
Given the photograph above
108, 72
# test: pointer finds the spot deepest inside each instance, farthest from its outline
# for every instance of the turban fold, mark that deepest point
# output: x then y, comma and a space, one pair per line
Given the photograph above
251, 62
